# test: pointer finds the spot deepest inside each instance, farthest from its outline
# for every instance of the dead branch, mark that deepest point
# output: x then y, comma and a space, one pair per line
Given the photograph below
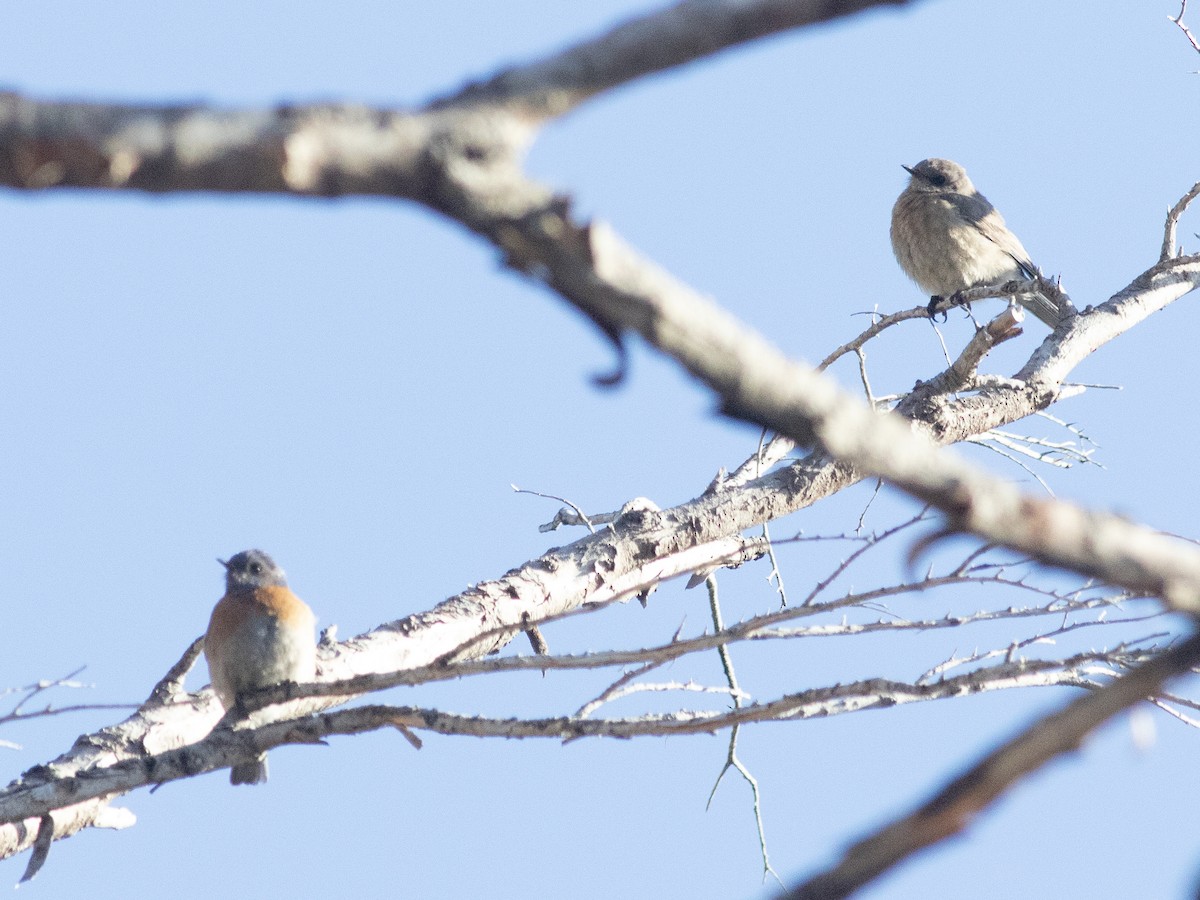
958, 804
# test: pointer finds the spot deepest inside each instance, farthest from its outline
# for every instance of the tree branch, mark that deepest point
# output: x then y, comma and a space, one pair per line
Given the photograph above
957, 805
229, 744
668, 39
1169, 250
1178, 20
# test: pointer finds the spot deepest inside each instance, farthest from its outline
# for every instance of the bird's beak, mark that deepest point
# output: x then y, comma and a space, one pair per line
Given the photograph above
907, 169
223, 562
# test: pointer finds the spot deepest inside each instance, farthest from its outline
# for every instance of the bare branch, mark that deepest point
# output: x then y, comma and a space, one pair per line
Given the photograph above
1060, 454
959, 803
767, 456
227, 745
1169, 250
732, 760
30, 692
879, 324
336, 150
67, 820
759, 384
609, 692
776, 574
1178, 20
1013, 290
867, 543
144, 744
170, 687
673, 37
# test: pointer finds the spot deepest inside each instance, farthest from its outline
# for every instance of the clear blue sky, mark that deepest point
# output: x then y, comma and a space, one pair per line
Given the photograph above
354, 385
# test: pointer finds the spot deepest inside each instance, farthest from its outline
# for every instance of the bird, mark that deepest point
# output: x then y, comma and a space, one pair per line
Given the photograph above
947, 237
260, 635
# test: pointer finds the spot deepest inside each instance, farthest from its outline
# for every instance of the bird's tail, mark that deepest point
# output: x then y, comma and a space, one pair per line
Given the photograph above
1051, 311
1053, 305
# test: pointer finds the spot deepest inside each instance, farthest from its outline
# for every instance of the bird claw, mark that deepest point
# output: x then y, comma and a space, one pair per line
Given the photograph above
943, 305
939, 305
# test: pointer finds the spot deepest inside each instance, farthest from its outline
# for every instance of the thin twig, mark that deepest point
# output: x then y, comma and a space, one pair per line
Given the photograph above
1000, 448
31, 691
170, 686
561, 517
731, 758
878, 325
1178, 20
870, 542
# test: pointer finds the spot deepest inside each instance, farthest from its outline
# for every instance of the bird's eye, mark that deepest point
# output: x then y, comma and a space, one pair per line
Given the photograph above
256, 568
937, 179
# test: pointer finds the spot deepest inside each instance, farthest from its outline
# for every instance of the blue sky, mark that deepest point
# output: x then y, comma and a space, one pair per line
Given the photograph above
354, 386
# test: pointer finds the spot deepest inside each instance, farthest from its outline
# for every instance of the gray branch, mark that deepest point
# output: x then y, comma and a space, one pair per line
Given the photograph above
31, 798
953, 808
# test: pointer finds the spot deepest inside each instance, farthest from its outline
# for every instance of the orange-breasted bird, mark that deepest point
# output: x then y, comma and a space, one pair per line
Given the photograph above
260, 635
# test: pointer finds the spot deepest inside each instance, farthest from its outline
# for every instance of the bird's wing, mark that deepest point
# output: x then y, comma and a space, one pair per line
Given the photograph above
979, 212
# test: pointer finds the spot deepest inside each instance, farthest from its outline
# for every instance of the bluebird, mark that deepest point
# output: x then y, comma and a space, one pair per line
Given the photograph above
947, 237
260, 635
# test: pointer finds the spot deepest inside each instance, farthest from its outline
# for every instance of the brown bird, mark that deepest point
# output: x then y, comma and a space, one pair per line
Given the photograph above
947, 237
